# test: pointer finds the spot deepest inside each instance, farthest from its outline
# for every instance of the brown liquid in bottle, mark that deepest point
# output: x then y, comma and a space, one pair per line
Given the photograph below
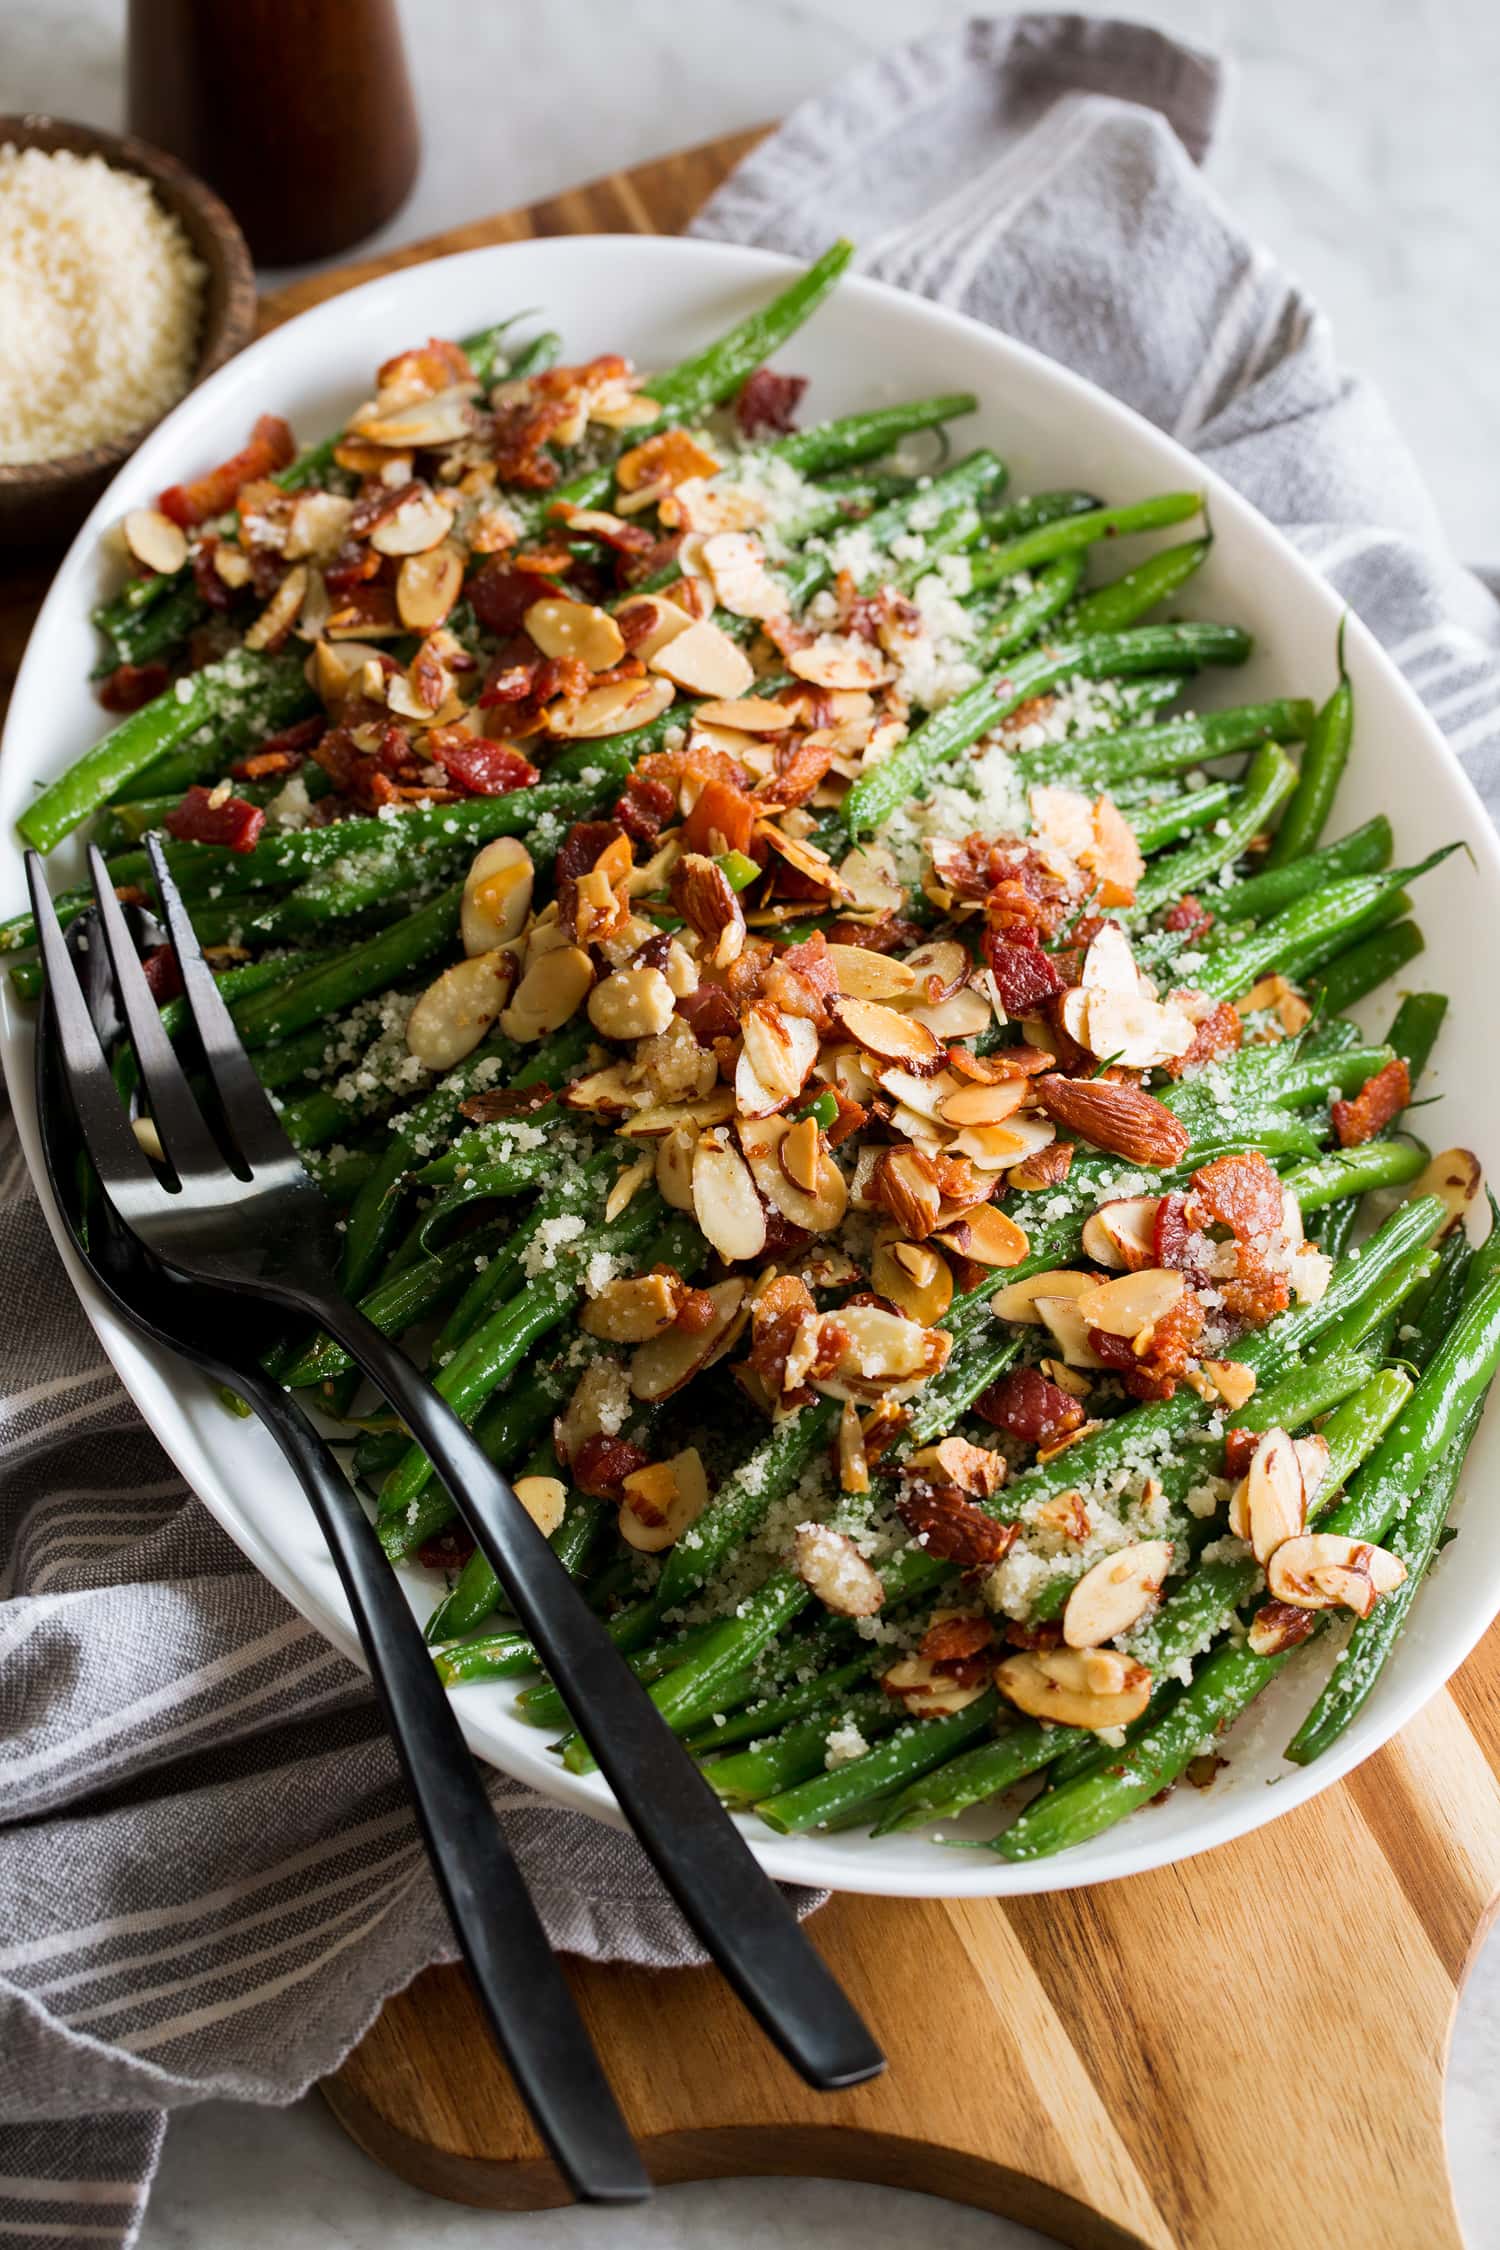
299, 112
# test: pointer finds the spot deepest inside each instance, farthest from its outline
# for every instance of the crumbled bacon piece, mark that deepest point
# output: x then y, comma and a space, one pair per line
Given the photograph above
504, 1101
479, 766
946, 1524
1219, 1033
803, 980
644, 808
798, 775
270, 448
1024, 975
1188, 914
1156, 1372
1379, 1100
766, 403
1242, 1193
580, 851
696, 1312
447, 1549
1027, 1406
1240, 1448
601, 1464
709, 1014
953, 1642
233, 821
1048, 1634
519, 431
889, 936
852, 1116
279, 753
163, 974
722, 810
502, 592
128, 686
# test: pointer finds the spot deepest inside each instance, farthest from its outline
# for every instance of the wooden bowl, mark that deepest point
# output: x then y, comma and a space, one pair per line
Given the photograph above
43, 502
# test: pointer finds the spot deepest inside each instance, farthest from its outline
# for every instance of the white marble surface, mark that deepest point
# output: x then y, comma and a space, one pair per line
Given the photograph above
1360, 145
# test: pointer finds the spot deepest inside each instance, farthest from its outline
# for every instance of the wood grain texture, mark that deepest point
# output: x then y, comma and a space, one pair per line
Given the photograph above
1245, 2049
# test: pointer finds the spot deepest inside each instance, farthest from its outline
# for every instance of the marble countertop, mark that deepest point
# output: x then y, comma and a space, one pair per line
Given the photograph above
1360, 147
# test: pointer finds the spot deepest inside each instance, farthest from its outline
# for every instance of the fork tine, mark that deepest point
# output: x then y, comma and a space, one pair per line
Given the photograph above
113, 1147
248, 1116
186, 1142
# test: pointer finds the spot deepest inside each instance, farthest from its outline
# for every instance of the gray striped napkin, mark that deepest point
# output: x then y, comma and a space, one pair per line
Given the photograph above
208, 1881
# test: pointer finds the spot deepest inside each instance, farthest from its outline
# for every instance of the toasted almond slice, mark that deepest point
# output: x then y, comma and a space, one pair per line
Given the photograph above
886, 1355
667, 1362
564, 628
1277, 1627
1134, 1302
1234, 1383
940, 970
280, 613
705, 661
675, 1500
1325, 1570
1313, 1455
836, 660
612, 709
890, 1037
1018, 1302
781, 1051
631, 1004
924, 1096
427, 586
545, 1500
715, 1107
863, 975
459, 1008
1122, 1234
674, 1168
806, 858
906, 1185
984, 1105
1116, 1593
854, 1465
627, 1185
155, 540
868, 874
801, 1154
438, 420
965, 1016
421, 521
916, 1278
926, 1692
1134, 1029
668, 620
554, 986
1272, 1502
995, 1148
762, 1140
602, 1093
632, 1308
829, 1562
725, 1203
736, 563
497, 894
1455, 1176
232, 565
1067, 1328
986, 1235
1092, 1688
748, 714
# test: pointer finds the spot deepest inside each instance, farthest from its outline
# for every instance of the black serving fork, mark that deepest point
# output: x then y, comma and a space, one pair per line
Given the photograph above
515, 1972
258, 1224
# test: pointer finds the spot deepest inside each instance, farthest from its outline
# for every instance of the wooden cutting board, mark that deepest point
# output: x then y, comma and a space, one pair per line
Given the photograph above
1247, 2049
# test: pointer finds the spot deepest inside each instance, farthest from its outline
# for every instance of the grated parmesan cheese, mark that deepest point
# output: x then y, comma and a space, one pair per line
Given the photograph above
101, 301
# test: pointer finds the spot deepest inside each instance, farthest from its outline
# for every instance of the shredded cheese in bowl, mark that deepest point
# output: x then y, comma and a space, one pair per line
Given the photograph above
101, 304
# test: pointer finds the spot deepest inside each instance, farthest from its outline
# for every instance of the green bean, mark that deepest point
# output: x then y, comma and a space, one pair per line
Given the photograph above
743, 1500
962, 486
1353, 1171
1323, 762
1109, 608
398, 1302
1071, 533
891, 1764
1108, 759
1365, 851
1303, 936
801, 1750
1028, 613
273, 688
1414, 1033
831, 446
875, 796
1268, 783
380, 961
1181, 815
751, 1715
972, 1778
1350, 975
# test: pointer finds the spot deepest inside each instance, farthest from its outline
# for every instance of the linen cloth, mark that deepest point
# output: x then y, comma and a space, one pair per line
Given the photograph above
208, 1879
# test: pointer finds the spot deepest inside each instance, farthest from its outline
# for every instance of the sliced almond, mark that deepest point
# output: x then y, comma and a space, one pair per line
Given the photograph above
890, 1037
965, 1016
497, 894
457, 1011
155, 541
781, 1051
748, 714
615, 708
659, 1503
830, 1564
940, 970
602, 1093
632, 1308
1092, 1688
977, 1471
438, 420
631, 1004
576, 629
986, 1235
916, 1278
545, 1500
886, 1355
1019, 1301
868, 875
317, 527
1122, 1234
1455, 1176
427, 586
984, 1105
420, 522
673, 1166
705, 661
801, 1154
820, 1211
668, 619
626, 1187
280, 613
669, 1361
700, 1112
854, 1464
552, 989
1068, 1329
926, 1692
1134, 1302
725, 1203
836, 660
906, 1183
1116, 1593
1234, 1382
863, 975
736, 563
1325, 1570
